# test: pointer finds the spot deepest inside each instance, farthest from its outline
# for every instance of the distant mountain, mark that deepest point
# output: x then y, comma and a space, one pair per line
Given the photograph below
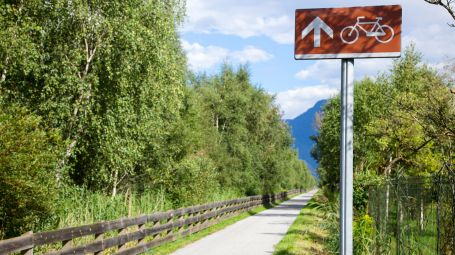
303, 128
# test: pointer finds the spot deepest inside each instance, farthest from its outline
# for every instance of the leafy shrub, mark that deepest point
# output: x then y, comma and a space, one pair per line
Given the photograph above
363, 234
362, 183
28, 156
363, 226
194, 181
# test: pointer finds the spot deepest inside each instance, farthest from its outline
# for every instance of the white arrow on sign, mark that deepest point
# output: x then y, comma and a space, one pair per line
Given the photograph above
317, 24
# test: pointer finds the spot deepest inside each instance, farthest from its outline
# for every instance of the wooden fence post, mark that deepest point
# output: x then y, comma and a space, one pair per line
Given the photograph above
156, 224
121, 232
28, 251
98, 237
182, 228
141, 227
67, 244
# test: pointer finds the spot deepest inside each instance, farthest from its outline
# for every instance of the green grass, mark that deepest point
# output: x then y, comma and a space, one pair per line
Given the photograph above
305, 236
413, 240
181, 242
79, 206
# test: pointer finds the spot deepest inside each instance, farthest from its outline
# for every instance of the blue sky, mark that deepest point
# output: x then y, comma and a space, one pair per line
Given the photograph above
261, 33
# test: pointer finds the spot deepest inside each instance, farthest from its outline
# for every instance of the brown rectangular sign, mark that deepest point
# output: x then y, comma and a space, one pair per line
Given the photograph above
355, 32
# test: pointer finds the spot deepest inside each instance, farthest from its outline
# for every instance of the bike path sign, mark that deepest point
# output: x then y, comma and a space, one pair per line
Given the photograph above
355, 32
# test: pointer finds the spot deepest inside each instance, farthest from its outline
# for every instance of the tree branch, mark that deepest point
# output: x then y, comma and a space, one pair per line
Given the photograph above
62, 162
90, 54
447, 5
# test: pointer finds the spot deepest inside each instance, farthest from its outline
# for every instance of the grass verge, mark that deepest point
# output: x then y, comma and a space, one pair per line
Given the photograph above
181, 242
305, 236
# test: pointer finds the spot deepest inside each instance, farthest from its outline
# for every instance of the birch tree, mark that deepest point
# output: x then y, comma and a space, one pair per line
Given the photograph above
105, 73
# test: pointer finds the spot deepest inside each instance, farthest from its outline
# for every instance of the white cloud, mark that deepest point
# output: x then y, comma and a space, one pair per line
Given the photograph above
204, 57
328, 72
294, 102
240, 18
325, 71
371, 67
434, 45
251, 54
200, 57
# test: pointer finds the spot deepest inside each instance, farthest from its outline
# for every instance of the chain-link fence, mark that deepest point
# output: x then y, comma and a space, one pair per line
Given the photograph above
414, 215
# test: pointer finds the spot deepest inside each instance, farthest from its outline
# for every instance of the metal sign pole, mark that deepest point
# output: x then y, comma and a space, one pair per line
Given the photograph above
346, 156
332, 32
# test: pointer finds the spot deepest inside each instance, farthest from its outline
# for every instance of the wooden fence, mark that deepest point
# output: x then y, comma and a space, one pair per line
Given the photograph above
134, 235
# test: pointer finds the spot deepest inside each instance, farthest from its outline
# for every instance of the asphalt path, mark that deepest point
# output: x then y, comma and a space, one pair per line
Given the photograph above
255, 235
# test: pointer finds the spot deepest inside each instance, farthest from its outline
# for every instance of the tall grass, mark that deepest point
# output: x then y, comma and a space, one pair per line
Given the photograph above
363, 229
331, 208
79, 206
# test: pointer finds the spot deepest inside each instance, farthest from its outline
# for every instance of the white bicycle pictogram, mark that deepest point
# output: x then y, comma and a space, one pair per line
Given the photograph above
382, 33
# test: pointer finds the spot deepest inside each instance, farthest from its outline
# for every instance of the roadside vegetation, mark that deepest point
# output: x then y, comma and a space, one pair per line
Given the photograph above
307, 234
403, 127
100, 118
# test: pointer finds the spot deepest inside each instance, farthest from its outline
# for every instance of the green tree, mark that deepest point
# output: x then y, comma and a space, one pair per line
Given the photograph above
109, 75
394, 126
111, 79
254, 152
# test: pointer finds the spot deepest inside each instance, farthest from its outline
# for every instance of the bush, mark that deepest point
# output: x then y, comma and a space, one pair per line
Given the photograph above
28, 156
363, 226
194, 181
363, 234
362, 183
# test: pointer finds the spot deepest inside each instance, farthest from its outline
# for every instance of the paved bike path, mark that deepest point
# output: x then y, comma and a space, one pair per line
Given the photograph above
255, 235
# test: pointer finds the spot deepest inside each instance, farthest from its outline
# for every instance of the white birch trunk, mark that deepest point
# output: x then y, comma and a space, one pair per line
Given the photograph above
115, 182
421, 216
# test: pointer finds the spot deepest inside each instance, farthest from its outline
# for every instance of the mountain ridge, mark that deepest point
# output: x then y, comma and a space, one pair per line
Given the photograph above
302, 128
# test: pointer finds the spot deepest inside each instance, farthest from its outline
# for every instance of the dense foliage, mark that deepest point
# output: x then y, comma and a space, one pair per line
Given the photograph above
27, 162
102, 92
251, 145
109, 75
403, 124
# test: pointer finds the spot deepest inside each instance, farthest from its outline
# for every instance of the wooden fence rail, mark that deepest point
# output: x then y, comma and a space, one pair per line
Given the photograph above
137, 234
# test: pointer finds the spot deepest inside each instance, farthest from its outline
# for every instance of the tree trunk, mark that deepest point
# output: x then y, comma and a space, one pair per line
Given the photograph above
83, 100
387, 194
115, 182
387, 199
62, 162
130, 202
421, 212
399, 220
